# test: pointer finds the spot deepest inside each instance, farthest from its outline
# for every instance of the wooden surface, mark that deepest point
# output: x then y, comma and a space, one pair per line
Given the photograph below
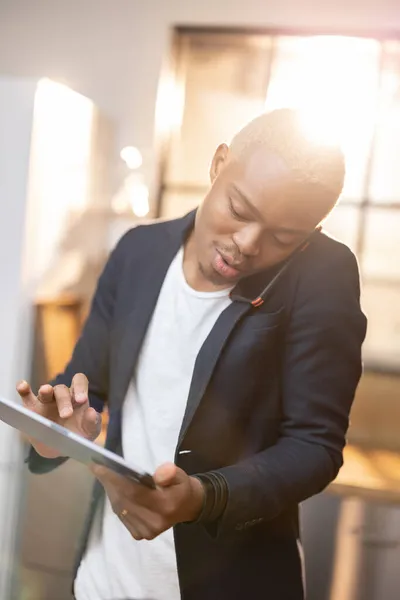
373, 474
375, 415
58, 326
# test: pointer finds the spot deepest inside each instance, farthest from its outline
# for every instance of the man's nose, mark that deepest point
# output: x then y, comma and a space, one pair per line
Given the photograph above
248, 240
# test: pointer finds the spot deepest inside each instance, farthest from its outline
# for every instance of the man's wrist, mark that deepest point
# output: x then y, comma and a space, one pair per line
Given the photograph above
197, 494
215, 496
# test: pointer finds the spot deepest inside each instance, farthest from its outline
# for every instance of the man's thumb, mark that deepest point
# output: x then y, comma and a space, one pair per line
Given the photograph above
167, 475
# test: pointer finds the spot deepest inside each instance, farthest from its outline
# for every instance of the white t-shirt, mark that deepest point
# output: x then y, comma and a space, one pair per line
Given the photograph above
115, 565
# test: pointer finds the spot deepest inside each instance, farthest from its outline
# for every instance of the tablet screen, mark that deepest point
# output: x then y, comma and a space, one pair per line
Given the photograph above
66, 442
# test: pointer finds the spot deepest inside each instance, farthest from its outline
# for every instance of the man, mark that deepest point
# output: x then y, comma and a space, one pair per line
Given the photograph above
227, 346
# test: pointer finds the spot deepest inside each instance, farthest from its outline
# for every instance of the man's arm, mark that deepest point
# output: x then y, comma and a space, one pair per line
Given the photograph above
321, 370
91, 353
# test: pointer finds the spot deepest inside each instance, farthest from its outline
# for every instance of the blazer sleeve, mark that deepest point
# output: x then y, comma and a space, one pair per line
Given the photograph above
321, 370
91, 353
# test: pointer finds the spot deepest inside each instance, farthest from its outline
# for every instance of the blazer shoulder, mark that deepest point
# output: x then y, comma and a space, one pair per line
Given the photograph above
139, 240
327, 269
326, 253
145, 234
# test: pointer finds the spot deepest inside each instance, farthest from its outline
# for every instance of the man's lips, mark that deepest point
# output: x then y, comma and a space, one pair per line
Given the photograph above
225, 266
230, 261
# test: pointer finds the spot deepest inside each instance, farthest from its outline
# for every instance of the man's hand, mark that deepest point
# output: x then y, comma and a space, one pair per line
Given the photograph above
68, 407
145, 512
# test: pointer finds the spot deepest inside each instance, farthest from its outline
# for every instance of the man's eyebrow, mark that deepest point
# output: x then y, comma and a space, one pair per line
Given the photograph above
246, 201
256, 212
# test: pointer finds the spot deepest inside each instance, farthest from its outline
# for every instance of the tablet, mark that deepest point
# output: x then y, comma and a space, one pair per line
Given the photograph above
68, 444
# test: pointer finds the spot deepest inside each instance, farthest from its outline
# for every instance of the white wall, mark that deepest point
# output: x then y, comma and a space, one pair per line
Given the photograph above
40, 150
16, 115
112, 50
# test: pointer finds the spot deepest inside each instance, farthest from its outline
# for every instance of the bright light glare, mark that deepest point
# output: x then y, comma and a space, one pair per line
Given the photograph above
319, 128
139, 199
333, 82
170, 104
133, 196
132, 157
60, 165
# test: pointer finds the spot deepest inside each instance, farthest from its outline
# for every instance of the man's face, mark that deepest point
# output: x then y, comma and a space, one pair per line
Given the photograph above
254, 216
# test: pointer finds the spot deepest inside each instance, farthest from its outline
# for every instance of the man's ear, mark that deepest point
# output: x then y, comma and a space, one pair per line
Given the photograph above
220, 158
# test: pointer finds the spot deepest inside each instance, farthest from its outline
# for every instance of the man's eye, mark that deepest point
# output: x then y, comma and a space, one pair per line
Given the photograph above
234, 212
282, 243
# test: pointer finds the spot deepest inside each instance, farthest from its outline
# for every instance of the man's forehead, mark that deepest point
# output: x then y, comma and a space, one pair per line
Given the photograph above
258, 162
270, 186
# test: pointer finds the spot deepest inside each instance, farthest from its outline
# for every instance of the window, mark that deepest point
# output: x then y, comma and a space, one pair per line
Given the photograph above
228, 78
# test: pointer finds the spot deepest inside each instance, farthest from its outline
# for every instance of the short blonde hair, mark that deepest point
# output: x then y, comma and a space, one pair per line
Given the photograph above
282, 133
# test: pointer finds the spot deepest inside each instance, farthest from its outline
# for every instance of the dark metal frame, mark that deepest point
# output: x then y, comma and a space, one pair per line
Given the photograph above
288, 31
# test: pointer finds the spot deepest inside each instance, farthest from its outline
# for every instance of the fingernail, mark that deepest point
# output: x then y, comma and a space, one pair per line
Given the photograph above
23, 388
81, 397
65, 413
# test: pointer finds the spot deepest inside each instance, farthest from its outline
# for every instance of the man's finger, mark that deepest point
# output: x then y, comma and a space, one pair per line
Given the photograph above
91, 423
116, 485
46, 394
64, 402
135, 528
28, 397
80, 388
168, 475
107, 476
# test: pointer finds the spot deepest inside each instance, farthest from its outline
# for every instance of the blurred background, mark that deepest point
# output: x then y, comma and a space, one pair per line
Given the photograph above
110, 111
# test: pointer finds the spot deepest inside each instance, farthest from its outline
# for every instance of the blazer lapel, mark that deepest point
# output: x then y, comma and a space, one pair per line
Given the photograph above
133, 329
144, 298
207, 359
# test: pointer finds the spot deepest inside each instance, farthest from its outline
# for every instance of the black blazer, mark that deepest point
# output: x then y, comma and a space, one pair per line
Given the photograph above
268, 405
